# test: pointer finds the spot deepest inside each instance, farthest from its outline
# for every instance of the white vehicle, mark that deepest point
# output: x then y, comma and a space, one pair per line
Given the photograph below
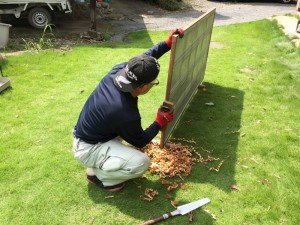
38, 12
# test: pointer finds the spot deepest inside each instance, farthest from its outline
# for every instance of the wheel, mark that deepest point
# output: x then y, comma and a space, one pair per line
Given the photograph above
39, 17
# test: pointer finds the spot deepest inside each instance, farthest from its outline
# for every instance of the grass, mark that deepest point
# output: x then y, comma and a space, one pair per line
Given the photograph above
254, 127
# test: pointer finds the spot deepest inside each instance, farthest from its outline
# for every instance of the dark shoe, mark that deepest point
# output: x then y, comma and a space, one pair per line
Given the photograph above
94, 180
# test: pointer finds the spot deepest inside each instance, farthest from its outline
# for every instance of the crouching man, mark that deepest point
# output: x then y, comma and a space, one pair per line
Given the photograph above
111, 111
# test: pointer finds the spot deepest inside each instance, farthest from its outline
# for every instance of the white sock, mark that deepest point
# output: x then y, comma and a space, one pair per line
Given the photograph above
90, 172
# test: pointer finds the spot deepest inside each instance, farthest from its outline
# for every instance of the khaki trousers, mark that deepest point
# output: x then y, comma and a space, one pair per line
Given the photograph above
112, 161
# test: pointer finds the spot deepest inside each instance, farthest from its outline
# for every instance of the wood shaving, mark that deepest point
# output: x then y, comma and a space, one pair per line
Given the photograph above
149, 194
205, 150
247, 159
218, 167
186, 141
110, 196
233, 132
137, 185
234, 187
172, 186
163, 181
264, 181
174, 204
183, 186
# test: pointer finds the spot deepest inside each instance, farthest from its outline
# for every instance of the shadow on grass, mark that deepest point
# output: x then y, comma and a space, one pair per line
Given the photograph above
214, 128
130, 202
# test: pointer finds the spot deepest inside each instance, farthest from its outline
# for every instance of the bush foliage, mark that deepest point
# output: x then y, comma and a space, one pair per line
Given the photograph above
168, 4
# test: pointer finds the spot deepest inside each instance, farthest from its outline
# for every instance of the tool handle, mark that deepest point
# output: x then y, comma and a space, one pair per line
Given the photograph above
153, 221
166, 107
158, 219
177, 32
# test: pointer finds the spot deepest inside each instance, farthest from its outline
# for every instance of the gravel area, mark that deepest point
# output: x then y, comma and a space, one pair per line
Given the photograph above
136, 16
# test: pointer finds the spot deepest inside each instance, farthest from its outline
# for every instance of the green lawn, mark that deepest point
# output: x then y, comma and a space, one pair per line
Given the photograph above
252, 78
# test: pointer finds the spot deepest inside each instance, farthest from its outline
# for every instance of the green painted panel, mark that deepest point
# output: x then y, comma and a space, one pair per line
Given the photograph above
187, 70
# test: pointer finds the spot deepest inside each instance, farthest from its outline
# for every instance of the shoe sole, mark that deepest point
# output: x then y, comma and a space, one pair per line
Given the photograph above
108, 189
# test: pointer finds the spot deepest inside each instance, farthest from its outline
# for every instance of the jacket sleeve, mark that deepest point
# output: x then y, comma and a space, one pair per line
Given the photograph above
158, 50
133, 133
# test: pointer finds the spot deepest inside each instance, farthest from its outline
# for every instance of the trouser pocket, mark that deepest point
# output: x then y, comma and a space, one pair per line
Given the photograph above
112, 163
90, 155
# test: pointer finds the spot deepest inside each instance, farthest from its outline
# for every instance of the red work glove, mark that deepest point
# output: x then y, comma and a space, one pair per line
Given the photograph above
179, 31
163, 118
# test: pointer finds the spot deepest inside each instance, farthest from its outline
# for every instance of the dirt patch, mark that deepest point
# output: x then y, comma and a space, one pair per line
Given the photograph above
216, 45
247, 70
3, 55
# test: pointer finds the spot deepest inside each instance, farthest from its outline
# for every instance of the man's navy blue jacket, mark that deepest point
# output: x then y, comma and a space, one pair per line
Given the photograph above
109, 112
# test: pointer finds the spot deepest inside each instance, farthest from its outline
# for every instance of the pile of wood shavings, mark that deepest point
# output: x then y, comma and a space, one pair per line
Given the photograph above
175, 161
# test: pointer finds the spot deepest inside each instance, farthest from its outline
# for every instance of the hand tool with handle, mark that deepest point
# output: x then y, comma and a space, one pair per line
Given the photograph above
166, 107
181, 210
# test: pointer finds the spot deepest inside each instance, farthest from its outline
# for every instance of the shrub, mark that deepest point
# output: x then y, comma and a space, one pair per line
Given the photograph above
168, 4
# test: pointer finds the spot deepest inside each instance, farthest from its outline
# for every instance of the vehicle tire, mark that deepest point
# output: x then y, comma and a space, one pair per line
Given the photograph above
286, 1
39, 17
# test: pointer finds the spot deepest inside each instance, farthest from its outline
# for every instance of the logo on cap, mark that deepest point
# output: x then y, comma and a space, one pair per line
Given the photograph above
130, 74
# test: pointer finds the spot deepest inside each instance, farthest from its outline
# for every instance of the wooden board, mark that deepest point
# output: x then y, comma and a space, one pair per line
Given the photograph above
187, 66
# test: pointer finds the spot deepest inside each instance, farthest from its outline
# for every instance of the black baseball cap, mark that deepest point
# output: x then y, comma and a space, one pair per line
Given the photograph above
139, 70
